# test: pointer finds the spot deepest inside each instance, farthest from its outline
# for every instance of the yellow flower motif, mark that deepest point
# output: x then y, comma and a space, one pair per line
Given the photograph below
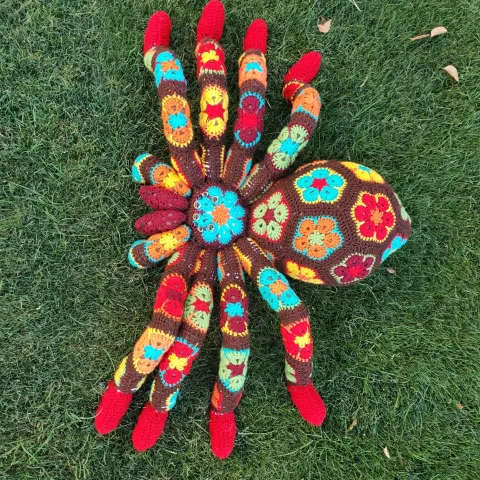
364, 173
177, 363
305, 274
170, 181
169, 241
210, 55
303, 340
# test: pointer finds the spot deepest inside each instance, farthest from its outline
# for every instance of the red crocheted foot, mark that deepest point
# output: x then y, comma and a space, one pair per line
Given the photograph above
256, 36
305, 69
149, 428
157, 32
223, 430
211, 22
111, 409
309, 403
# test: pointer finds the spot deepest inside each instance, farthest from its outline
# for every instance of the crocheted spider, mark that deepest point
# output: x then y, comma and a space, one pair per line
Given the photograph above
328, 223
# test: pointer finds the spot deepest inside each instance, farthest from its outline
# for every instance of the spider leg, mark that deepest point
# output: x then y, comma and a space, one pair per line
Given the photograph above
248, 127
150, 252
233, 355
152, 344
178, 360
294, 327
211, 74
172, 88
283, 151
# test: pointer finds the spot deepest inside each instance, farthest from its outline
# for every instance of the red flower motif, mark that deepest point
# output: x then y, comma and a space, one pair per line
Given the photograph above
298, 340
374, 216
250, 120
353, 268
171, 296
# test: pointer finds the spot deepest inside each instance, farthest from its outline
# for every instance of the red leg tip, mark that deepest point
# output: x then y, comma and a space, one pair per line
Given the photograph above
149, 428
211, 21
112, 408
223, 430
309, 403
305, 69
158, 31
256, 36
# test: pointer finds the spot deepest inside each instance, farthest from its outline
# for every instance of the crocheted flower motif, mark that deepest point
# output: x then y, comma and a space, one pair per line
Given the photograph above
177, 364
250, 119
213, 110
275, 289
171, 297
302, 273
373, 216
233, 368
397, 243
176, 120
297, 338
353, 268
149, 349
218, 215
252, 69
285, 148
270, 217
233, 312
167, 67
308, 102
171, 400
320, 185
317, 237
212, 58
363, 173
198, 307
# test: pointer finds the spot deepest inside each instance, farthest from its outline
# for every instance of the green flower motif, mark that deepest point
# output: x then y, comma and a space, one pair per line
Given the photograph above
285, 148
198, 306
233, 368
269, 217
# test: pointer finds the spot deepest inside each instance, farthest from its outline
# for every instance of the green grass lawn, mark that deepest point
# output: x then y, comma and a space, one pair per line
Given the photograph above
399, 352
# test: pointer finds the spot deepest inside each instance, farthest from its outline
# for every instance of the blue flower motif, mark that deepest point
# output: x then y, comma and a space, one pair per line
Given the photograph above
218, 216
177, 120
275, 289
320, 185
163, 72
397, 243
289, 147
152, 353
234, 309
253, 66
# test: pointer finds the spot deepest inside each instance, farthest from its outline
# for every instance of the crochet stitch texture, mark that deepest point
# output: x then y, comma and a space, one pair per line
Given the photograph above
216, 217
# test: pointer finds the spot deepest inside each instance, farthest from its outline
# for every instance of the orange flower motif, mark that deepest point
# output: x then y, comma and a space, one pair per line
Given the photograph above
252, 67
308, 102
302, 273
317, 237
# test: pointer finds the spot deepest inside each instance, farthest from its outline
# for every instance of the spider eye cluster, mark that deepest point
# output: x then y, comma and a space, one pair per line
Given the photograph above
216, 216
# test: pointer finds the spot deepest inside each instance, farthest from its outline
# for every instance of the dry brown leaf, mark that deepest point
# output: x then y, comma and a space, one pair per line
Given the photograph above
386, 452
438, 31
452, 71
419, 37
459, 405
324, 27
392, 271
352, 425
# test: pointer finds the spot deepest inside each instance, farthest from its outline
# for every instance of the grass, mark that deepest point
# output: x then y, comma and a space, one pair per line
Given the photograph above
400, 353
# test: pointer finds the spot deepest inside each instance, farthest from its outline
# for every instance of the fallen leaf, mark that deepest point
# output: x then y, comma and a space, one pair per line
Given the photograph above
459, 405
434, 33
352, 425
365, 81
386, 452
452, 71
324, 27
392, 271
438, 31
419, 37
